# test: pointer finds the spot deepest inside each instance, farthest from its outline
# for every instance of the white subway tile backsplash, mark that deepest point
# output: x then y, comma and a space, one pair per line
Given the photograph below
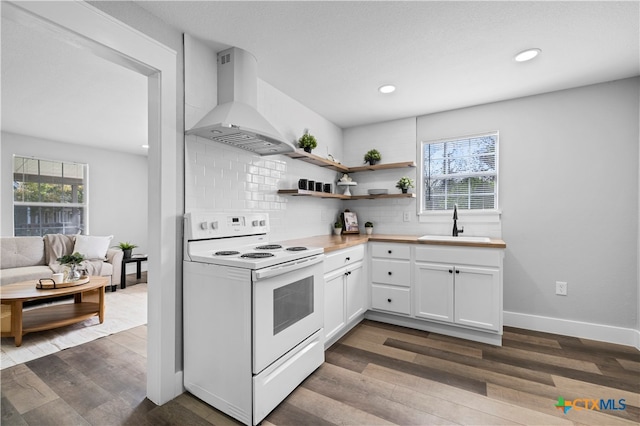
227, 179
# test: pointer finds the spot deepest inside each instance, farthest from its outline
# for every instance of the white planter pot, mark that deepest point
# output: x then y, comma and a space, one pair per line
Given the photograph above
369, 231
337, 231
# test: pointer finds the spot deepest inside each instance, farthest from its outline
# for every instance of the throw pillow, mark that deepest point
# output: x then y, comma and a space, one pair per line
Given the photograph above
92, 247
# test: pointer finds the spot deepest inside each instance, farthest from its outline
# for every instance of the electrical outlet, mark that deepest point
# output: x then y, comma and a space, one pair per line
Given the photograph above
561, 288
406, 216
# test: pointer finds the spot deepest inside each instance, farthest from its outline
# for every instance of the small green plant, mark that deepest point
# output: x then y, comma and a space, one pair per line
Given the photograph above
127, 246
404, 183
368, 225
307, 141
338, 224
71, 259
372, 156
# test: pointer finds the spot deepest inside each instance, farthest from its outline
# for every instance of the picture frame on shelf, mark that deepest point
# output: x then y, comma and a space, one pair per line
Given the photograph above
350, 220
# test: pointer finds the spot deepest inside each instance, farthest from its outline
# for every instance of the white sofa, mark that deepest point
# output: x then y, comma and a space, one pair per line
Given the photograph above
31, 258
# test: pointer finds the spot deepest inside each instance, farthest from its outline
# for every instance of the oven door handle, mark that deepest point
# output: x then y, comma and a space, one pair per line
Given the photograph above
286, 267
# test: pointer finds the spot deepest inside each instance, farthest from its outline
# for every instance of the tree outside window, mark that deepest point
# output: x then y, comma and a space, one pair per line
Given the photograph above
49, 197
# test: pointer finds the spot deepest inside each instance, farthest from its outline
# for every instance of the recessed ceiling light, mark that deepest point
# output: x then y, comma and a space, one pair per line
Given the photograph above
527, 55
145, 146
387, 88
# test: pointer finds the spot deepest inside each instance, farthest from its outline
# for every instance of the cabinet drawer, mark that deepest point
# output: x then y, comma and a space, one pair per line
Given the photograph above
344, 257
391, 299
396, 272
391, 251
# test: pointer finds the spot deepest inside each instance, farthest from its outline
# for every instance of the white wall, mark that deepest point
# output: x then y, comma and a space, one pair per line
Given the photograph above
117, 186
222, 178
396, 142
568, 193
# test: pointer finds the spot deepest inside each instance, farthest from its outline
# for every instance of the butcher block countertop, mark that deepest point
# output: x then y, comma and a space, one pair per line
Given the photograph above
338, 242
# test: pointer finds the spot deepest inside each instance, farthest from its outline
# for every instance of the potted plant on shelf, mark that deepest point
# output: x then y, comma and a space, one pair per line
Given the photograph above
307, 141
372, 156
368, 227
337, 227
126, 248
404, 184
71, 261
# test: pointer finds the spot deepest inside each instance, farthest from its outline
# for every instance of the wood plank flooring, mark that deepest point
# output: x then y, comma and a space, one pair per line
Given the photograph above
378, 374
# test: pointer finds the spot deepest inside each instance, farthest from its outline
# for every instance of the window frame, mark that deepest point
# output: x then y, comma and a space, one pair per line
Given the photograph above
477, 215
85, 193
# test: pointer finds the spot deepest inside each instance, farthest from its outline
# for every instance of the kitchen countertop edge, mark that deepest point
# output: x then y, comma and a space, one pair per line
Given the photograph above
338, 242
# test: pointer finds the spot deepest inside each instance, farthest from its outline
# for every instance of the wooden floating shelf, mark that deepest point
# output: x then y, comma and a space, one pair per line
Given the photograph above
382, 167
376, 197
305, 193
323, 162
318, 161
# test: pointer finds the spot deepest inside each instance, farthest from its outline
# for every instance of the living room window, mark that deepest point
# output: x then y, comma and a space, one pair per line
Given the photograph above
461, 171
49, 197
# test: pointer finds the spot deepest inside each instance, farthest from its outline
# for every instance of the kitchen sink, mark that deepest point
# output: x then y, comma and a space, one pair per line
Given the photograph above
452, 238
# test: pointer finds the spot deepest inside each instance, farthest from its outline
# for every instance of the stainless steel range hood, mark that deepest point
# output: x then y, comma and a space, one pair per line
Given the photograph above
235, 120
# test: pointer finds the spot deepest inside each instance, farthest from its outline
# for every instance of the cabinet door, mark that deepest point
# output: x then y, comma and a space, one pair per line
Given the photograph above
477, 297
434, 291
356, 292
334, 318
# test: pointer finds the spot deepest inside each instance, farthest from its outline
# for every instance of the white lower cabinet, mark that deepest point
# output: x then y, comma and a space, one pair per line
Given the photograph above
391, 278
334, 313
434, 292
345, 292
465, 295
356, 291
444, 289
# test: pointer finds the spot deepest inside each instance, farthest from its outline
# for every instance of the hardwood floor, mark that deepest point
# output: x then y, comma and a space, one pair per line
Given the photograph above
377, 374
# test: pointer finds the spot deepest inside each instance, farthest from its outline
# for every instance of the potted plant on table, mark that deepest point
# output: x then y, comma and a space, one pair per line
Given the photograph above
372, 156
126, 248
404, 184
368, 227
71, 261
307, 141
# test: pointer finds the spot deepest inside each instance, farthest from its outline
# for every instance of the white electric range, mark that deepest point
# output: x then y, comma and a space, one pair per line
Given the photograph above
253, 313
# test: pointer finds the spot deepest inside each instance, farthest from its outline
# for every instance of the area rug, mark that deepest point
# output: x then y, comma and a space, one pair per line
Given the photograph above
124, 309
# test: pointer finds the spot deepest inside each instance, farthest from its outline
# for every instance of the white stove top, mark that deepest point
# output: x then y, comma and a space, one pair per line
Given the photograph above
238, 241
243, 256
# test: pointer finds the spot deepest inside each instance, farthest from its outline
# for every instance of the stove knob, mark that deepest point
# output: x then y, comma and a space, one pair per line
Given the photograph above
214, 225
263, 223
203, 226
255, 223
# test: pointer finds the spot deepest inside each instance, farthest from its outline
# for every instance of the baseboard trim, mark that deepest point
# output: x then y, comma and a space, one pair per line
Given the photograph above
580, 329
488, 337
179, 383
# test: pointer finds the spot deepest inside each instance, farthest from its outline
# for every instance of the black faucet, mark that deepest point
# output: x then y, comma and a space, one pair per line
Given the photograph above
455, 222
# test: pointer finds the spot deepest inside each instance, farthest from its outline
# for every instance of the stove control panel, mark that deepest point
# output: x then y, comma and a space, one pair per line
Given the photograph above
206, 225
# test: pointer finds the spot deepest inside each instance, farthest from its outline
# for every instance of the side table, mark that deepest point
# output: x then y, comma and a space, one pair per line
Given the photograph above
138, 259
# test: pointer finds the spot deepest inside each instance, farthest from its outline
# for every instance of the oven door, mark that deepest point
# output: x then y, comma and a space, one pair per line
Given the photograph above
287, 308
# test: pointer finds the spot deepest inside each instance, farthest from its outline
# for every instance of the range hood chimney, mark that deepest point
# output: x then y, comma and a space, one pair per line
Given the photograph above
235, 120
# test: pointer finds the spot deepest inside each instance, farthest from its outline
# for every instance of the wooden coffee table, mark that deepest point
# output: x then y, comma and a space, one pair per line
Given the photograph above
17, 323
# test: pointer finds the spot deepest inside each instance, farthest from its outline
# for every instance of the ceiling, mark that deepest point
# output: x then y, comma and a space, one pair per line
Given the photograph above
55, 91
332, 57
